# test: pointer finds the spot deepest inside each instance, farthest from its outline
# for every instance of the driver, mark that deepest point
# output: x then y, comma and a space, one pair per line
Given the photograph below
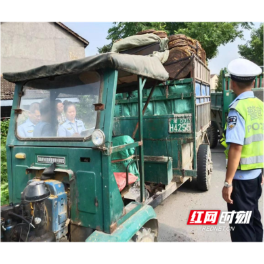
27, 128
72, 127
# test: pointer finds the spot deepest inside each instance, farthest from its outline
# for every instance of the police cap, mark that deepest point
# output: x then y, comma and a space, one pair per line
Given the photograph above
242, 70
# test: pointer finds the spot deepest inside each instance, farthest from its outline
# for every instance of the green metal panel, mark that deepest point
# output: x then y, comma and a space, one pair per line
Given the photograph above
176, 97
86, 184
86, 195
191, 173
158, 172
21, 181
113, 204
140, 139
126, 230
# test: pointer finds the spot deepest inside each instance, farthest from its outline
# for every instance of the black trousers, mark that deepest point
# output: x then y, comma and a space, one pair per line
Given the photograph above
245, 196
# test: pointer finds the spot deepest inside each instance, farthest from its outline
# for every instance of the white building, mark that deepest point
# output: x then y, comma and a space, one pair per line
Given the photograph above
213, 82
29, 45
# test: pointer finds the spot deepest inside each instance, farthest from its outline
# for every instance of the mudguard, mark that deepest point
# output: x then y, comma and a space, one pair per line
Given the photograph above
127, 229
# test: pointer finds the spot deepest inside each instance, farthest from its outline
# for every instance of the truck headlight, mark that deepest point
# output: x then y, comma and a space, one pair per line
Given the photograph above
98, 137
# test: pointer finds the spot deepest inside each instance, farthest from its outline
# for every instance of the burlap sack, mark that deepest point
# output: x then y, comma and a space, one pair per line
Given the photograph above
188, 44
178, 64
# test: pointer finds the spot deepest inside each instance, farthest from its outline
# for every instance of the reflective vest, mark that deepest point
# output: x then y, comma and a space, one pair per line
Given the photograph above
252, 155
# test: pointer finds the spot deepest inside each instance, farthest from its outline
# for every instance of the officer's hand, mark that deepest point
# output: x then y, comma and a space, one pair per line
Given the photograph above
262, 180
226, 193
76, 135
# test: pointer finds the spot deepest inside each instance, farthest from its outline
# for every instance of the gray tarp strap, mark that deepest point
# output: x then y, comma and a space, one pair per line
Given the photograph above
252, 160
254, 138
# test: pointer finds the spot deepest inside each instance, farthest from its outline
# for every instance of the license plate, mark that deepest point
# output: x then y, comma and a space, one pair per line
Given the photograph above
50, 159
180, 124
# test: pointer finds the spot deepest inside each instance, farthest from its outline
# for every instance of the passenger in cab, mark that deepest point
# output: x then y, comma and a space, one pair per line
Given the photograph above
71, 127
60, 113
45, 128
26, 129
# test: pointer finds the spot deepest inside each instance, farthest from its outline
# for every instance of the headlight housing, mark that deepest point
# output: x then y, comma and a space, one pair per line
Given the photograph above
98, 137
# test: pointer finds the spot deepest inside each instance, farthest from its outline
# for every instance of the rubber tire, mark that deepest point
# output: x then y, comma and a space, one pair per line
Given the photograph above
143, 235
204, 167
213, 135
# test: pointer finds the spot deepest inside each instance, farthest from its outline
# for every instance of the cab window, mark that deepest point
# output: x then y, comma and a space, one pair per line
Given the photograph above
59, 107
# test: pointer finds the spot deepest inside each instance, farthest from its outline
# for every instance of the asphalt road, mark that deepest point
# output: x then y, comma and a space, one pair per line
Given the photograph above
174, 211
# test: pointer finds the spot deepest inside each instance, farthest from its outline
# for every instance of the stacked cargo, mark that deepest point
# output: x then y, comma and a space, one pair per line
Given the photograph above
189, 45
176, 52
181, 50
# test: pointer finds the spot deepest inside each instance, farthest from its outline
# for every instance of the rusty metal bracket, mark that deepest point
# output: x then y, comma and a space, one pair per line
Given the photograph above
96, 201
144, 109
113, 227
99, 107
20, 94
104, 149
18, 111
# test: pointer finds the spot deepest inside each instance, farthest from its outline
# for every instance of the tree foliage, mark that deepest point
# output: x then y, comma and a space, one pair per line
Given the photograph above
253, 49
4, 181
210, 34
85, 109
219, 85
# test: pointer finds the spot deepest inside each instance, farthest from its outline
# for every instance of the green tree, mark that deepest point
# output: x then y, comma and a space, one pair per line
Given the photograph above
210, 34
4, 183
219, 87
253, 49
85, 109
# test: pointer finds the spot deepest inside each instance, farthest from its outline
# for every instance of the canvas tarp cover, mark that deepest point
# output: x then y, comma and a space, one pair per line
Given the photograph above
156, 107
138, 41
145, 66
120, 166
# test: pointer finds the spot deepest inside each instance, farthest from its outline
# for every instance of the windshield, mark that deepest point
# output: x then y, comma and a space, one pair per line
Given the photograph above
59, 107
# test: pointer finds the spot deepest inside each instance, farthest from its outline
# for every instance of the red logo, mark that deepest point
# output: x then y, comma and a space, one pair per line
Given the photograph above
203, 217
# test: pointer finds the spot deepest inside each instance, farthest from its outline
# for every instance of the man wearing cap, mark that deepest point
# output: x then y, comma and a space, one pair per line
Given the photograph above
26, 129
244, 153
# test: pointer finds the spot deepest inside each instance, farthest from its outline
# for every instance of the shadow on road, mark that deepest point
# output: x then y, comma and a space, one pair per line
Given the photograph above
170, 234
188, 187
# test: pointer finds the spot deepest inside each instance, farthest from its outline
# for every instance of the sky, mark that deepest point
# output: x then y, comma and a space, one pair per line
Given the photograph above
96, 33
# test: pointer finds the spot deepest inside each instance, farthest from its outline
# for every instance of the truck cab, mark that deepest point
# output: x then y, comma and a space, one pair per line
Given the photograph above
60, 172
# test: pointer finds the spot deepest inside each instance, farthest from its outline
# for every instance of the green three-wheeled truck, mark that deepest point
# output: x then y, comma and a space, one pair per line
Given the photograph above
144, 136
220, 102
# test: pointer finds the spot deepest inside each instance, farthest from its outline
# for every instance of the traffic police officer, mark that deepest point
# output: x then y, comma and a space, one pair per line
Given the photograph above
71, 127
244, 153
26, 129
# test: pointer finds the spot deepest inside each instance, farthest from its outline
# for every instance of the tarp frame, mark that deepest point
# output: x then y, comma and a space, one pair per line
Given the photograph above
149, 67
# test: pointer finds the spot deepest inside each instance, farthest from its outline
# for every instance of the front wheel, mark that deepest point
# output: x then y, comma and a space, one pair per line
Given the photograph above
204, 167
144, 235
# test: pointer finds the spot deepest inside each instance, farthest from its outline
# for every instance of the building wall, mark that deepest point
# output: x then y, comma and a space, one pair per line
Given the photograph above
29, 45
213, 82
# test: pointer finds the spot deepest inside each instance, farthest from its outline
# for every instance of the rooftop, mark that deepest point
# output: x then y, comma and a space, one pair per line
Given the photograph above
85, 42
